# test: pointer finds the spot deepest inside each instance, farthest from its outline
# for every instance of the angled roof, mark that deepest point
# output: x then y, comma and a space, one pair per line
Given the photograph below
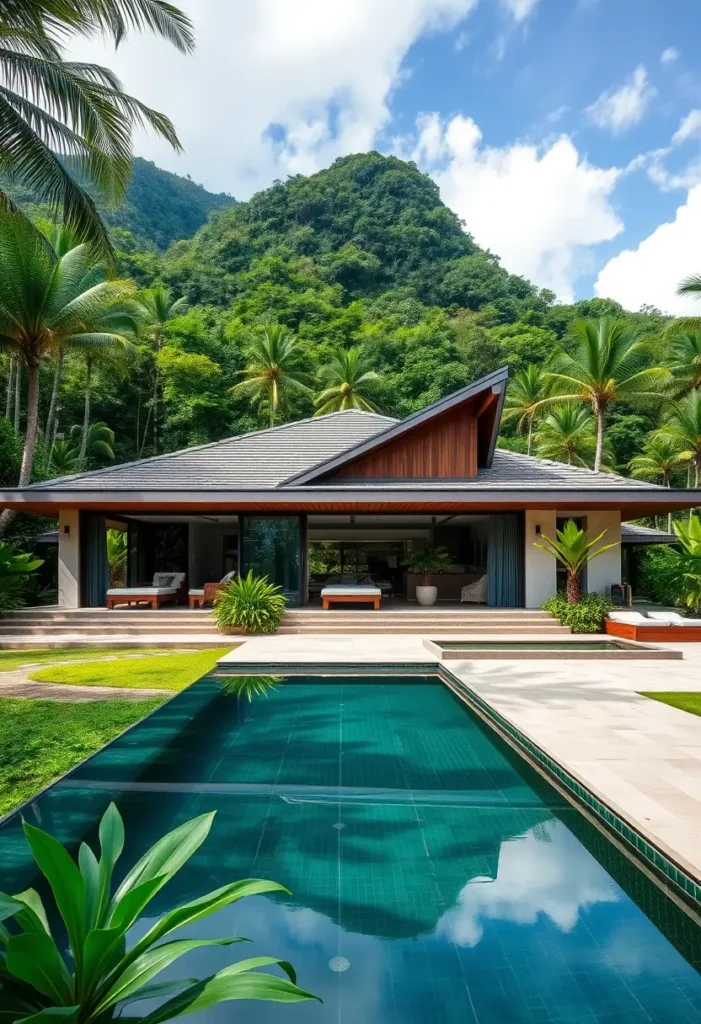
261, 459
494, 382
632, 533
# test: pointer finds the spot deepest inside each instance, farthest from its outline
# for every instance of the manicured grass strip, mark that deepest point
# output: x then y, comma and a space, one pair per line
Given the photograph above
10, 660
43, 739
690, 702
169, 672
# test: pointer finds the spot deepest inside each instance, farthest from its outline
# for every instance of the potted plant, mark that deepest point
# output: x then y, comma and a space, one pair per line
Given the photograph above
425, 563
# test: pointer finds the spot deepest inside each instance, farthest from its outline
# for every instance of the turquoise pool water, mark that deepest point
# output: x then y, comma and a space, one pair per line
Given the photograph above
453, 884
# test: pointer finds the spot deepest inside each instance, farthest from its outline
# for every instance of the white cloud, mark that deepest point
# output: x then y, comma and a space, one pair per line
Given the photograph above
519, 9
537, 207
318, 74
554, 876
650, 274
618, 109
669, 56
689, 128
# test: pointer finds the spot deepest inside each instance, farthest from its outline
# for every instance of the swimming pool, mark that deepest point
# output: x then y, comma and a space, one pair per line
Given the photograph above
435, 875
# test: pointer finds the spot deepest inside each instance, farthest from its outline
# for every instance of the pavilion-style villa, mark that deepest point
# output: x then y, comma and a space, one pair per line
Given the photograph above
344, 498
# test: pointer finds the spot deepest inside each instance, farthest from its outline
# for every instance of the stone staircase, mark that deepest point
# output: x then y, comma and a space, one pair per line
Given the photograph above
52, 626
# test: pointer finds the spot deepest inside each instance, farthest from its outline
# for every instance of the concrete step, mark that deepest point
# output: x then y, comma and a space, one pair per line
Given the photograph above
461, 631
68, 640
101, 630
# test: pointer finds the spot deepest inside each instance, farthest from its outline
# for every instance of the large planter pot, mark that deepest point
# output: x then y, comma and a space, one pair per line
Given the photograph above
426, 595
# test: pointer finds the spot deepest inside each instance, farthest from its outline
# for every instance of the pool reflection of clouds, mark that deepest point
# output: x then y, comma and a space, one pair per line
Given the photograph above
546, 871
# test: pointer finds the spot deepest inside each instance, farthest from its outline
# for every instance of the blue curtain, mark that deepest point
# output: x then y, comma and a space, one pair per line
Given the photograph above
504, 561
96, 570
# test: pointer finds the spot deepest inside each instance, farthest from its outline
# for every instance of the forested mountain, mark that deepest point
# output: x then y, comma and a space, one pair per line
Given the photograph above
158, 208
363, 253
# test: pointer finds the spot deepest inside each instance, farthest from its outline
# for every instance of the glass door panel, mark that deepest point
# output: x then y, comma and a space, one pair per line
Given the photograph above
270, 546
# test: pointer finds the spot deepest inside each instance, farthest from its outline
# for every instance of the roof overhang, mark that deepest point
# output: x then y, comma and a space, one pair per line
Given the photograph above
492, 386
631, 502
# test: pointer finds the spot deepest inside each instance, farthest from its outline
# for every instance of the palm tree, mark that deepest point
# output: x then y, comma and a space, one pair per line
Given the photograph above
567, 434
93, 439
273, 373
158, 307
573, 550
47, 303
656, 462
64, 458
606, 367
683, 357
682, 429
50, 106
348, 377
113, 357
526, 390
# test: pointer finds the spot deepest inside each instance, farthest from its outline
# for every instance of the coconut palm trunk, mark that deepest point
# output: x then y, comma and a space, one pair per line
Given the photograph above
86, 415
10, 383
49, 431
30, 437
600, 436
574, 586
18, 395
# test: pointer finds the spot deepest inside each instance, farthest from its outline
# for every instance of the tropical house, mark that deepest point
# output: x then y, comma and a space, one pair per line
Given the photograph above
347, 497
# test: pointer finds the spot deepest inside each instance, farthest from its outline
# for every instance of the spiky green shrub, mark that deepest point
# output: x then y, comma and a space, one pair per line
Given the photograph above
248, 686
250, 604
585, 616
97, 977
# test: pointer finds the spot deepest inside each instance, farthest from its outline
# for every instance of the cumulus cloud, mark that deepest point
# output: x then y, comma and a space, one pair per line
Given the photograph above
275, 87
618, 109
537, 207
557, 878
689, 128
650, 274
669, 56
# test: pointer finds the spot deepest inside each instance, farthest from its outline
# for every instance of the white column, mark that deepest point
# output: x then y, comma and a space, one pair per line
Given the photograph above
69, 558
605, 570
540, 567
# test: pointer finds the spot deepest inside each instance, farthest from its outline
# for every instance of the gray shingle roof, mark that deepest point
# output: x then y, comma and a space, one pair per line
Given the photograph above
268, 458
262, 459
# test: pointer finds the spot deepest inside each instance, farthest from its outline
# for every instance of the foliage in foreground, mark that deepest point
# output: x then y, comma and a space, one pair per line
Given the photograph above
689, 535
573, 549
15, 569
250, 604
586, 616
658, 575
100, 977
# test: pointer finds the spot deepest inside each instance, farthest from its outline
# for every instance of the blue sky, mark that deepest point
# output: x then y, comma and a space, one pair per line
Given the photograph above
566, 133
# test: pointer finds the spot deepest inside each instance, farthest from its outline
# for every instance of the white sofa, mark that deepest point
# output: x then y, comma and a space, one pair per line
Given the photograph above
166, 588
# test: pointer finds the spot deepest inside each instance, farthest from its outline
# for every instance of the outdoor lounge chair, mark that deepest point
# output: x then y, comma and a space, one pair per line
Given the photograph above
630, 618
674, 619
198, 597
475, 593
167, 588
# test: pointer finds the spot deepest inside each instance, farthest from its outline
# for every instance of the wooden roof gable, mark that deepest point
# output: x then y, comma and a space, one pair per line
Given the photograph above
449, 439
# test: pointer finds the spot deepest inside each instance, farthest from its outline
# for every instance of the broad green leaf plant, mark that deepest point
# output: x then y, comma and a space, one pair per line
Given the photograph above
572, 547
689, 535
97, 976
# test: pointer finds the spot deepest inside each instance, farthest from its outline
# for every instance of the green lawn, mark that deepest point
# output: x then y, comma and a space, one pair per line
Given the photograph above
42, 739
158, 672
690, 702
10, 660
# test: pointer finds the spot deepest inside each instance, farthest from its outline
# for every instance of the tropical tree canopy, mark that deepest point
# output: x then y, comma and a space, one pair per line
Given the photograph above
49, 303
526, 390
567, 434
350, 381
51, 106
683, 357
682, 429
606, 366
273, 372
657, 461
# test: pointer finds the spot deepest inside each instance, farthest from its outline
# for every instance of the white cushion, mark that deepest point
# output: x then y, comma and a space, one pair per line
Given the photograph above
673, 619
196, 593
146, 591
350, 591
229, 577
631, 618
